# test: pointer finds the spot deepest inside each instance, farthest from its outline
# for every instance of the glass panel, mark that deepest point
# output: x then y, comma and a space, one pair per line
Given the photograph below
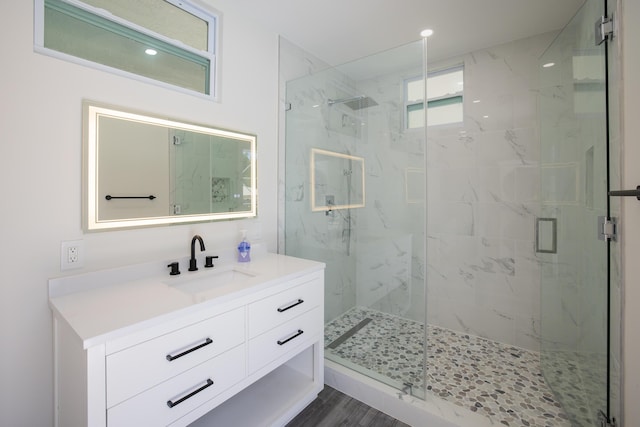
76, 32
442, 84
574, 193
441, 112
358, 206
445, 83
415, 116
212, 173
444, 92
161, 17
415, 90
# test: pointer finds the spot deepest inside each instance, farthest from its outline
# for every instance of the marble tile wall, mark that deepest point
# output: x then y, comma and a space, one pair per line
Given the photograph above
483, 190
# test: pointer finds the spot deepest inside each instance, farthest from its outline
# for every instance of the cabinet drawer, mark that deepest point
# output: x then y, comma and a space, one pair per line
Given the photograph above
281, 307
177, 396
284, 338
140, 367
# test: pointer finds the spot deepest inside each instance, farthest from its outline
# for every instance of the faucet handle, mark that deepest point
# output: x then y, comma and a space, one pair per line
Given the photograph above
175, 268
209, 261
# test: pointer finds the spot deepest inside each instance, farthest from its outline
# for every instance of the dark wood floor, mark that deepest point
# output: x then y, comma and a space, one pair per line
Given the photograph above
333, 408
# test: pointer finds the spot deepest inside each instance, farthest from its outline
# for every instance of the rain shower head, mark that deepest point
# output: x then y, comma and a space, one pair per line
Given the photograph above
354, 102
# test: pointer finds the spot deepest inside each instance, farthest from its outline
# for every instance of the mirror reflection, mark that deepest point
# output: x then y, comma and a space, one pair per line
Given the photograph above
143, 170
337, 181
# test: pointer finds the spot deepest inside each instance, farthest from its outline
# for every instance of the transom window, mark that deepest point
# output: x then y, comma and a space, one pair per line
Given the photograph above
444, 98
168, 42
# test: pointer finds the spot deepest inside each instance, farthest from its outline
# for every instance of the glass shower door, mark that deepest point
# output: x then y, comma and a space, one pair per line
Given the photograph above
354, 199
574, 273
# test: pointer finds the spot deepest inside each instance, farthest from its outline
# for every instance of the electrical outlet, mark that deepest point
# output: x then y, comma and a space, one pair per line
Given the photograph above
71, 254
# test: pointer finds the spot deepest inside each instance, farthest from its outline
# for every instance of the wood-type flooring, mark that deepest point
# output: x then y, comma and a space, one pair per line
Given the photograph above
332, 408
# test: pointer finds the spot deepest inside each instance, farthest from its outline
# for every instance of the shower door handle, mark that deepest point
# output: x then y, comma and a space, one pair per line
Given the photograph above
625, 193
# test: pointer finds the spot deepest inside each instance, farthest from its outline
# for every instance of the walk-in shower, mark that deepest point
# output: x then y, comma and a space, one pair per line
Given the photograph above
435, 283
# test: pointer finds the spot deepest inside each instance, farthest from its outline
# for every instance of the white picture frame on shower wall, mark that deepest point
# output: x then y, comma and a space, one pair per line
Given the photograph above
337, 181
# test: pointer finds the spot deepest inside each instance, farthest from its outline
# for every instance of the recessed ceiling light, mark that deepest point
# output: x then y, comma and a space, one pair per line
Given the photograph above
150, 51
476, 101
549, 64
426, 32
485, 117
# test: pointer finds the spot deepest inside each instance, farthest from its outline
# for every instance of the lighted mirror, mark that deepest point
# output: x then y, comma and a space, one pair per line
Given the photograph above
337, 181
145, 170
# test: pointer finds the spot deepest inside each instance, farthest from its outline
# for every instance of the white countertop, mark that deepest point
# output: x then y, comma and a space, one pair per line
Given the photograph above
103, 305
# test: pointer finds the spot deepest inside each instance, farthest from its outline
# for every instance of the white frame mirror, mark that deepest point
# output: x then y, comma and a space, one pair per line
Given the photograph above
142, 170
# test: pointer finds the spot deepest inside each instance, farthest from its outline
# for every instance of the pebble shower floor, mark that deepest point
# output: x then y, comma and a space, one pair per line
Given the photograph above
499, 381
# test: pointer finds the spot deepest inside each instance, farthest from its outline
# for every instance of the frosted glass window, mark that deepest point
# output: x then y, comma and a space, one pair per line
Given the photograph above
162, 17
159, 42
444, 98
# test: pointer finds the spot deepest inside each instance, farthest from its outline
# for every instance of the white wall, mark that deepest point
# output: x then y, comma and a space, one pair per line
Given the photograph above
40, 168
630, 218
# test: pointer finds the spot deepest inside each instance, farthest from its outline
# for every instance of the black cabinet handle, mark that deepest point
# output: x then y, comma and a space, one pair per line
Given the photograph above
171, 404
110, 197
184, 353
281, 309
297, 334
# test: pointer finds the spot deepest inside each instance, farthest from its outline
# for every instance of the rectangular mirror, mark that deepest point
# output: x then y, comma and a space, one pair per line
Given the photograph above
144, 170
337, 181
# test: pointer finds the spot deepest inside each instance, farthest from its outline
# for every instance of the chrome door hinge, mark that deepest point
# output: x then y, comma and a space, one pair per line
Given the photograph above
604, 29
607, 228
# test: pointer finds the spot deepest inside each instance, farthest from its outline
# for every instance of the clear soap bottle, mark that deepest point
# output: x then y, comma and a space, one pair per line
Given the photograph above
244, 248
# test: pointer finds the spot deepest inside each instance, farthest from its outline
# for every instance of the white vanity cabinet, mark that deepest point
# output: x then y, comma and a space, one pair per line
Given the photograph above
143, 352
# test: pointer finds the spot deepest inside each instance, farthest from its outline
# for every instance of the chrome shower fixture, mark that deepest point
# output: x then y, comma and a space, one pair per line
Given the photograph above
354, 102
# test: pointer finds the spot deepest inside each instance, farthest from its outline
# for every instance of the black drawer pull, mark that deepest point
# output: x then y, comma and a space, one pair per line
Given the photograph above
171, 404
184, 353
280, 310
297, 334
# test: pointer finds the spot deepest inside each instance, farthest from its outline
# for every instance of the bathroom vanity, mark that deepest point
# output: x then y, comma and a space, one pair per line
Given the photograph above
238, 344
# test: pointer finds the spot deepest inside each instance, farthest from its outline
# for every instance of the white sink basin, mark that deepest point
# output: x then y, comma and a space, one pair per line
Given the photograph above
206, 281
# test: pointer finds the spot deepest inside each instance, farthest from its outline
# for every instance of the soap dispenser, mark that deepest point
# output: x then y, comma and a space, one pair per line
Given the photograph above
244, 248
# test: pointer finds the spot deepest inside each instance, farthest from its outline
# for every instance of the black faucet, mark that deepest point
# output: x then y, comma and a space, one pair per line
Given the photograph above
192, 261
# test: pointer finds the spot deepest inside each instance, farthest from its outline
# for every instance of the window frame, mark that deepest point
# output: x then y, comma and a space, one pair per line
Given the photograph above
455, 98
211, 54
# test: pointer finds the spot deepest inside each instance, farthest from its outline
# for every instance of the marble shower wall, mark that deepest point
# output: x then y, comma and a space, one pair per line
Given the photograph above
483, 197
